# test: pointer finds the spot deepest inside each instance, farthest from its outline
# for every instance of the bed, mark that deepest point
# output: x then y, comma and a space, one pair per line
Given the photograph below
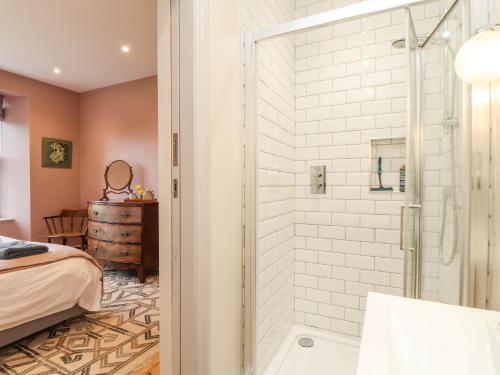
46, 289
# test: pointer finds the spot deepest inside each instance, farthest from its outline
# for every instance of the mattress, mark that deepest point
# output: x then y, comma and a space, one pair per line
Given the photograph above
33, 293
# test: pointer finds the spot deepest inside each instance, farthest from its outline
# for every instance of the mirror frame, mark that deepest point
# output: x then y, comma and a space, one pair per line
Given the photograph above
108, 189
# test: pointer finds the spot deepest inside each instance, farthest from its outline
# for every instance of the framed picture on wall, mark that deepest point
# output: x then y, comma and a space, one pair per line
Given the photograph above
56, 153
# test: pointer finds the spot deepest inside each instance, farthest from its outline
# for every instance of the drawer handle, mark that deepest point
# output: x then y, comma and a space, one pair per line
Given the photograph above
96, 230
124, 253
95, 212
125, 215
95, 248
124, 234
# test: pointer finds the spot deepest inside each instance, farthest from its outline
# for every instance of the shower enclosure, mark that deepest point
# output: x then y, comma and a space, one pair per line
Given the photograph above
356, 170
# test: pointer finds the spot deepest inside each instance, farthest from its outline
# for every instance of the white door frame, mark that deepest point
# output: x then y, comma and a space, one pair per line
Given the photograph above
164, 168
205, 259
175, 199
189, 206
183, 307
212, 55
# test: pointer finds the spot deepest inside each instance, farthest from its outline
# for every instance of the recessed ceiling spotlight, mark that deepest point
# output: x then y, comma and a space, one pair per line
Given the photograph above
56, 70
125, 49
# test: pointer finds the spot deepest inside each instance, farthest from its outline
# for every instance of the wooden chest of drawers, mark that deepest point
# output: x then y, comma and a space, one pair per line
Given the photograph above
124, 235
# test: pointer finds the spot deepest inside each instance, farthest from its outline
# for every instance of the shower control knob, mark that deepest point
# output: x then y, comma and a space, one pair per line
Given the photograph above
318, 180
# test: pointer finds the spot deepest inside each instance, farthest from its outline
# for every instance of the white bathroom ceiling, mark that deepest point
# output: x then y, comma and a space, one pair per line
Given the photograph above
82, 38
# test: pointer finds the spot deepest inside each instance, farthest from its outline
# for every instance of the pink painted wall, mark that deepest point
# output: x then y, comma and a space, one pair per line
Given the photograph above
53, 112
119, 122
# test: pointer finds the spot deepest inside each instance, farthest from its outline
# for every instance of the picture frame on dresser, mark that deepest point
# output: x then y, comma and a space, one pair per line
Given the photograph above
124, 235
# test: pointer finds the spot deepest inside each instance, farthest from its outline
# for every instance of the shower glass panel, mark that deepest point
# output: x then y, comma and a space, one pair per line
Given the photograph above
274, 194
410, 212
443, 197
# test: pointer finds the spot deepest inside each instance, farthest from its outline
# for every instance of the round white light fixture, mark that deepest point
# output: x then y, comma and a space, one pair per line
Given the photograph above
446, 34
125, 49
478, 60
56, 70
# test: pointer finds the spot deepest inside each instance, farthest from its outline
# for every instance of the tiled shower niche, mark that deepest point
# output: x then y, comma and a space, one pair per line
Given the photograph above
391, 153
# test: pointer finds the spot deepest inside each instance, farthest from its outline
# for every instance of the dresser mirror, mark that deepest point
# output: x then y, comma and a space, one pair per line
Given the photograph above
118, 178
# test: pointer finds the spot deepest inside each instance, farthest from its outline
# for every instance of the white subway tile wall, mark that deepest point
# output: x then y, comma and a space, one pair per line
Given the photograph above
323, 95
275, 177
350, 88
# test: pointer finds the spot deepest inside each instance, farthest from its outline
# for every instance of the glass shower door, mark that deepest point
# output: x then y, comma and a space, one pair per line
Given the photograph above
433, 221
443, 217
410, 211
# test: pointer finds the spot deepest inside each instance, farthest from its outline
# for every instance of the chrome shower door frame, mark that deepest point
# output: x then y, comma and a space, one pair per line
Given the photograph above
411, 212
250, 146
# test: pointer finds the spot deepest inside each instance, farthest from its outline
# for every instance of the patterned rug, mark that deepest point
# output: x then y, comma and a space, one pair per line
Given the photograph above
121, 337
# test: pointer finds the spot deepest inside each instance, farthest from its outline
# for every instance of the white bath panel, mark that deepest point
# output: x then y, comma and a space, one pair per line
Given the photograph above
329, 354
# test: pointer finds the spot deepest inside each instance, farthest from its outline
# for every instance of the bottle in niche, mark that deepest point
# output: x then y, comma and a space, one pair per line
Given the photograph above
402, 178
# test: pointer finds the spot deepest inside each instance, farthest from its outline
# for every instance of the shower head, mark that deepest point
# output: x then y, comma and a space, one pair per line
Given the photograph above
442, 38
401, 43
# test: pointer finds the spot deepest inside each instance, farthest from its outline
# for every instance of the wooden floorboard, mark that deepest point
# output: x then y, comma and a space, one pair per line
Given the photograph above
154, 371
152, 367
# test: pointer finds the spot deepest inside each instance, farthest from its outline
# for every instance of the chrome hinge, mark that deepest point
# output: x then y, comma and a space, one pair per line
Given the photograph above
175, 149
175, 188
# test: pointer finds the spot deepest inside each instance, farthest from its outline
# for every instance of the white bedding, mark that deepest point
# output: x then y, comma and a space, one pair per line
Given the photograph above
33, 293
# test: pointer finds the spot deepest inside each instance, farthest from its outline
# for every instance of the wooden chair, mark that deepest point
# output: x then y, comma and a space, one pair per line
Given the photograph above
69, 224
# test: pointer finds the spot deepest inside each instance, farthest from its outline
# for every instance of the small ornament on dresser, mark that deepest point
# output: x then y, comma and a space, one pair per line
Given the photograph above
139, 191
148, 194
141, 194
